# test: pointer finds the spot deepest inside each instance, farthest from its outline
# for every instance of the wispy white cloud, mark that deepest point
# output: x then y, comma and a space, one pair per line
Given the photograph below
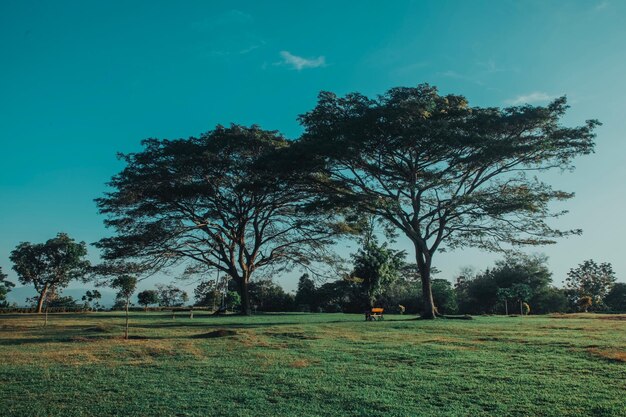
534, 97
299, 63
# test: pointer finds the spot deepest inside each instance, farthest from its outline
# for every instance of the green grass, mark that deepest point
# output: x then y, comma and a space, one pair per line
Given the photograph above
312, 365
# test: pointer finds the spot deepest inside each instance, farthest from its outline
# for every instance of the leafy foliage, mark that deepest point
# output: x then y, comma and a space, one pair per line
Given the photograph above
61, 301
513, 279
445, 174
125, 286
266, 295
206, 293
590, 279
147, 297
616, 297
50, 265
171, 296
5, 288
91, 297
210, 202
305, 299
584, 303
376, 266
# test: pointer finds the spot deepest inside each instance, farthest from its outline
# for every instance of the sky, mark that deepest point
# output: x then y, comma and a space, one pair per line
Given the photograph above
81, 81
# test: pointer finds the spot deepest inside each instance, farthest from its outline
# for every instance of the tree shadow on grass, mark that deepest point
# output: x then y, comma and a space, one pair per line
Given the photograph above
77, 338
197, 324
74, 333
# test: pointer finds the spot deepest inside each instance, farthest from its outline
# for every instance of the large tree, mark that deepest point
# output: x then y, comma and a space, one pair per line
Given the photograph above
50, 266
444, 173
212, 202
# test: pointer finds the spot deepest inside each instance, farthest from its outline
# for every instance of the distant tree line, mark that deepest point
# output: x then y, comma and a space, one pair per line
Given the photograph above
520, 284
380, 276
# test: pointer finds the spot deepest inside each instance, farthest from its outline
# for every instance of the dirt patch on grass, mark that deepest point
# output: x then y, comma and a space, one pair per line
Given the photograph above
611, 355
215, 334
253, 340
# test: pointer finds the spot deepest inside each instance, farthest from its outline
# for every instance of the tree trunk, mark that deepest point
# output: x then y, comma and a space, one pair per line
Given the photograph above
126, 331
244, 292
506, 308
521, 309
429, 311
423, 265
42, 298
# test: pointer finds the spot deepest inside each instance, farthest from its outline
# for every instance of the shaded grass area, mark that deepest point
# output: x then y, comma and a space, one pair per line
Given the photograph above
312, 364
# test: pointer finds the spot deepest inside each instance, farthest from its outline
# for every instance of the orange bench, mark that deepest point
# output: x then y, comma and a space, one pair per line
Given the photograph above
376, 313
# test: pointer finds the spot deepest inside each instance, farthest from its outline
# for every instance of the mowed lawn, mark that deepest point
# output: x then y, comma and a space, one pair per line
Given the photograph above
312, 365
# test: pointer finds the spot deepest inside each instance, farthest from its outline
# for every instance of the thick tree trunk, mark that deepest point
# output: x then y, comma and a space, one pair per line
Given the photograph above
423, 265
244, 293
42, 298
429, 311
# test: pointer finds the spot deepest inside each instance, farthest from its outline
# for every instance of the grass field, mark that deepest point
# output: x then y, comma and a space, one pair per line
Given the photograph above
313, 365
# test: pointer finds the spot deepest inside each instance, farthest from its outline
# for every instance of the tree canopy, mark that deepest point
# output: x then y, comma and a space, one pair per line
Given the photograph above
50, 265
147, 297
209, 202
590, 279
171, 296
125, 286
444, 173
376, 266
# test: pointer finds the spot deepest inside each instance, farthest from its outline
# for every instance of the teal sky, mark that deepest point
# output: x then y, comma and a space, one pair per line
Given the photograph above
80, 81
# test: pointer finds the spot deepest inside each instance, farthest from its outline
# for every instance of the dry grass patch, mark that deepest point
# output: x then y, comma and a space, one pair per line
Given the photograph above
301, 363
609, 354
